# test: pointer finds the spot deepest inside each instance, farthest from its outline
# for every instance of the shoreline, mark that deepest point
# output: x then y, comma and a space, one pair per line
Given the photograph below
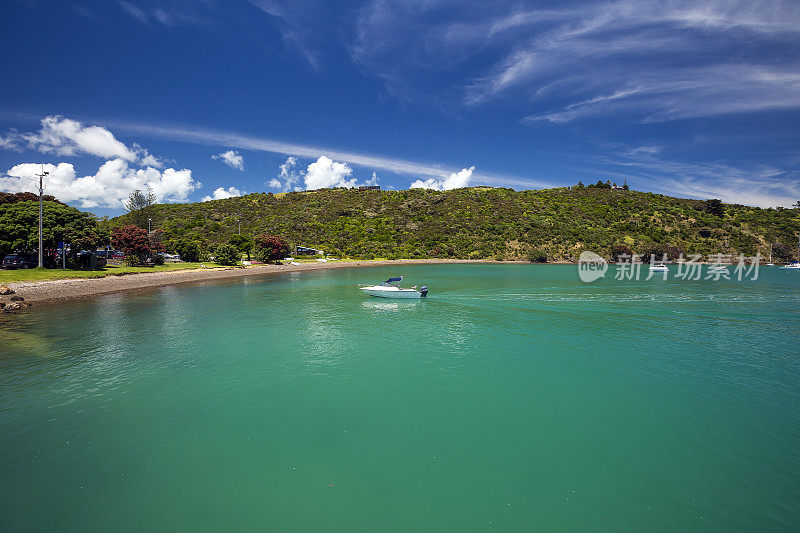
54, 291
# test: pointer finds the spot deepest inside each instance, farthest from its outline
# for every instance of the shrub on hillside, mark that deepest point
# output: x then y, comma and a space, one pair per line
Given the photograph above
537, 256
620, 252
228, 254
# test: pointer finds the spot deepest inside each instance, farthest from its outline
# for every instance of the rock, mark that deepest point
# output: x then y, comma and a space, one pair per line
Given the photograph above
6, 290
2, 305
13, 306
17, 299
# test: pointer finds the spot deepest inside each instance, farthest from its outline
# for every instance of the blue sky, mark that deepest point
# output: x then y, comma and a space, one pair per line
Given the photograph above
209, 98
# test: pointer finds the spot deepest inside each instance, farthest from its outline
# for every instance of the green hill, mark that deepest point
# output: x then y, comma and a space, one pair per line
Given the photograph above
486, 223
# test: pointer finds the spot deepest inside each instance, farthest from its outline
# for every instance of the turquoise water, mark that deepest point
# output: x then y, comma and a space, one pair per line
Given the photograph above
515, 398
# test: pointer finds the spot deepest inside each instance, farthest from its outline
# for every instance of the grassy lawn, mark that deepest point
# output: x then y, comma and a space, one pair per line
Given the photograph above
37, 274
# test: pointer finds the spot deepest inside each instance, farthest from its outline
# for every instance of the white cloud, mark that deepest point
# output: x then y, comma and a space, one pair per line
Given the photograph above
325, 172
221, 193
322, 173
231, 158
108, 187
399, 166
288, 178
66, 137
62, 136
456, 180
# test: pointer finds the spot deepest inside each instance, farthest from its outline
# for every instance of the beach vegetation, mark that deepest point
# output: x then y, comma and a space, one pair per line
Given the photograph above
19, 227
187, 250
139, 248
270, 248
244, 243
227, 254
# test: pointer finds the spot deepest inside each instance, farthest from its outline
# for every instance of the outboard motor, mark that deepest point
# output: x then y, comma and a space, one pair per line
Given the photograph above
424, 291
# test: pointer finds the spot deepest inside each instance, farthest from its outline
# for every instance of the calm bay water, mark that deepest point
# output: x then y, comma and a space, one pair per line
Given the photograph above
515, 398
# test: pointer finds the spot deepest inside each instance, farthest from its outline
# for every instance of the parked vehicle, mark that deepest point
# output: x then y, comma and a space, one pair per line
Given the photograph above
20, 261
90, 260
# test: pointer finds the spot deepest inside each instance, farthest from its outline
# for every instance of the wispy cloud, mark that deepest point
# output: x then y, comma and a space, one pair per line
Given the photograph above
747, 182
295, 33
134, 11
656, 60
161, 15
399, 166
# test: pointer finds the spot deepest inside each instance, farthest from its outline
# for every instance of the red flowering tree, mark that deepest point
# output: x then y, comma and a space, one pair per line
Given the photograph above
269, 248
135, 243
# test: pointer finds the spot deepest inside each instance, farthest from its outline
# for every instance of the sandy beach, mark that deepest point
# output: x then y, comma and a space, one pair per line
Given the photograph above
44, 292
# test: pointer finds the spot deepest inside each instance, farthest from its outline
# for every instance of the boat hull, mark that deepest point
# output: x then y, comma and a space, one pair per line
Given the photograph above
385, 292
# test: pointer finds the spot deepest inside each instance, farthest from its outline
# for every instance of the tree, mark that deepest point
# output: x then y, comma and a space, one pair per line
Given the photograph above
269, 248
139, 206
228, 254
12, 198
135, 243
715, 207
19, 227
188, 250
243, 242
537, 256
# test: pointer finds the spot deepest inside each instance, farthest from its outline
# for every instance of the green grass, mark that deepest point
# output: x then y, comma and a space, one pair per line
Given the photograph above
42, 274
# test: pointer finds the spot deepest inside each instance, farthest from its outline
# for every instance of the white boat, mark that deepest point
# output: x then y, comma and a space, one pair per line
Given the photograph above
770, 264
388, 289
795, 265
659, 267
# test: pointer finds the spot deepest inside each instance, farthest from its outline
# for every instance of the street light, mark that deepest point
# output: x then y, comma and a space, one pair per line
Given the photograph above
41, 188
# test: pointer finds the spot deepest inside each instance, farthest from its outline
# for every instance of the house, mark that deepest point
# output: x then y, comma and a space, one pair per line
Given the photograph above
370, 188
303, 250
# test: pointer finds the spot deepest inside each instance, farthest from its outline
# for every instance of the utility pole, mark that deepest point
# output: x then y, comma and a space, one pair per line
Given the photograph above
148, 226
41, 189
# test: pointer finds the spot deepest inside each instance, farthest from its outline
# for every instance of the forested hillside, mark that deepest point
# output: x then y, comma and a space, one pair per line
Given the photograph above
556, 224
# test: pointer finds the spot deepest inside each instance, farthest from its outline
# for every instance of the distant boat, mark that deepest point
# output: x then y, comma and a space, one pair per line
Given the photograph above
389, 289
770, 257
659, 267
